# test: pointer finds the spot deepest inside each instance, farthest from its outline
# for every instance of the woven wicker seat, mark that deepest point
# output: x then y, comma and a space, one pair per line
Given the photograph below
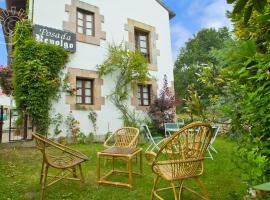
58, 157
180, 157
124, 137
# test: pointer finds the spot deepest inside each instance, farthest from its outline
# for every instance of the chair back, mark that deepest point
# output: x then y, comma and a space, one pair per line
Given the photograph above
40, 142
180, 122
183, 152
171, 126
126, 137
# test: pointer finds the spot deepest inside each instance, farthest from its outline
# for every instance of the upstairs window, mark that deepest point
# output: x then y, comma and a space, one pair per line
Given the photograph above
85, 22
142, 43
144, 95
84, 94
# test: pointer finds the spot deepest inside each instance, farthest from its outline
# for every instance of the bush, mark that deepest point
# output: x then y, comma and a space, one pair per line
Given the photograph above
163, 108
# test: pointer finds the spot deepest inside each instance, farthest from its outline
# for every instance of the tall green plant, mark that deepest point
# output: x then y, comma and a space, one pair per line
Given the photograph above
130, 67
36, 75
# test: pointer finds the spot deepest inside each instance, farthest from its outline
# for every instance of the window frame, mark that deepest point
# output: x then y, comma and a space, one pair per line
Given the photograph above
141, 93
84, 27
83, 96
137, 34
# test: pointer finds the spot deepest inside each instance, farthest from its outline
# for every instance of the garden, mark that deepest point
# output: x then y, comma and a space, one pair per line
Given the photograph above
20, 172
221, 78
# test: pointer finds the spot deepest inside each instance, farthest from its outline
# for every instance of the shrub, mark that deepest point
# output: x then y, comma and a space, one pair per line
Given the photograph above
163, 108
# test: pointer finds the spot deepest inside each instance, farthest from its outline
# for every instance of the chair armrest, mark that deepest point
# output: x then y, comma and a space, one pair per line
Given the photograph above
106, 145
150, 157
68, 150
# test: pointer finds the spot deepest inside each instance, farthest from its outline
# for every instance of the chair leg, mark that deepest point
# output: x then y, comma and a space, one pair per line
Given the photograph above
213, 149
81, 173
154, 187
202, 188
180, 189
42, 172
174, 191
210, 155
43, 184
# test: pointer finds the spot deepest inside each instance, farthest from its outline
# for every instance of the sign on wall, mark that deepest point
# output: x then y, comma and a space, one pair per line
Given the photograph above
64, 39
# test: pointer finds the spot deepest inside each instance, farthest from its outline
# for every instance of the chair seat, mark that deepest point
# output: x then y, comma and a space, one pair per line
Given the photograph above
176, 171
64, 162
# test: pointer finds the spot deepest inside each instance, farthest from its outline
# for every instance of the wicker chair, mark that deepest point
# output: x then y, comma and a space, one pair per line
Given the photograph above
124, 137
181, 157
59, 157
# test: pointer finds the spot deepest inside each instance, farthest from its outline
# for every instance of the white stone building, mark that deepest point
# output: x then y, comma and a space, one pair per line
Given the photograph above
141, 24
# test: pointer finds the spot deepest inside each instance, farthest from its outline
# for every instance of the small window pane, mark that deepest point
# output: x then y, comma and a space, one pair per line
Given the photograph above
79, 99
146, 102
89, 32
145, 95
87, 99
79, 83
80, 15
80, 22
87, 92
89, 25
145, 89
79, 92
143, 44
89, 18
143, 50
80, 29
143, 38
88, 84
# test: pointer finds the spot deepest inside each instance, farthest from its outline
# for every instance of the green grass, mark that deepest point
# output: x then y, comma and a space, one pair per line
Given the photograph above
20, 168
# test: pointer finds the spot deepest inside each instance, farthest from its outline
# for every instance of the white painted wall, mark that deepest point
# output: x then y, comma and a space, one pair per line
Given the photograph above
52, 13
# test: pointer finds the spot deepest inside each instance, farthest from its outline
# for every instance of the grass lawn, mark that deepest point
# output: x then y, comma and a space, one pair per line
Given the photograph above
20, 168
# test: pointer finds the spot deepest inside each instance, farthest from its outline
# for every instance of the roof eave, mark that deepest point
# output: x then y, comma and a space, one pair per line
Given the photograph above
171, 13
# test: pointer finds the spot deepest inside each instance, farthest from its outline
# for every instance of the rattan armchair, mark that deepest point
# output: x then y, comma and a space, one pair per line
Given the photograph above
124, 137
180, 158
58, 157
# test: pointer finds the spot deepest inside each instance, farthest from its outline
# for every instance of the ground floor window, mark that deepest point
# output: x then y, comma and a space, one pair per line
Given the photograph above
144, 95
84, 94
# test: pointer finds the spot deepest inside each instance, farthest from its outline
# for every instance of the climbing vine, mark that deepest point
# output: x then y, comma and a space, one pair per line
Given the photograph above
129, 66
92, 116
36, 75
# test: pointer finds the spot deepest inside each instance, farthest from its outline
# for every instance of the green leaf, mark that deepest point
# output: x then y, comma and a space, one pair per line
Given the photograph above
259, 5
230, 1
264, 18
239, 6
248, 13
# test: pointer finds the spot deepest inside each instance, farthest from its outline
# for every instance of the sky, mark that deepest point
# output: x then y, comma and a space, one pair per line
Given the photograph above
191, 16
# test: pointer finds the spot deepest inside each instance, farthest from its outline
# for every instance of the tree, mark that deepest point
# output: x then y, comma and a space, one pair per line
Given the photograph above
196, 56
245, 73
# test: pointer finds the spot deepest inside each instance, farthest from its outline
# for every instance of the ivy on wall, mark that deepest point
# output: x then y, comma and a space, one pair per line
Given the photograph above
36, 75
130, 66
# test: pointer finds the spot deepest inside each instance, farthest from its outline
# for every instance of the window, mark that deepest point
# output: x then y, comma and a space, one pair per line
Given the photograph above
144, 95
142, 43
85, 22
84, 94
